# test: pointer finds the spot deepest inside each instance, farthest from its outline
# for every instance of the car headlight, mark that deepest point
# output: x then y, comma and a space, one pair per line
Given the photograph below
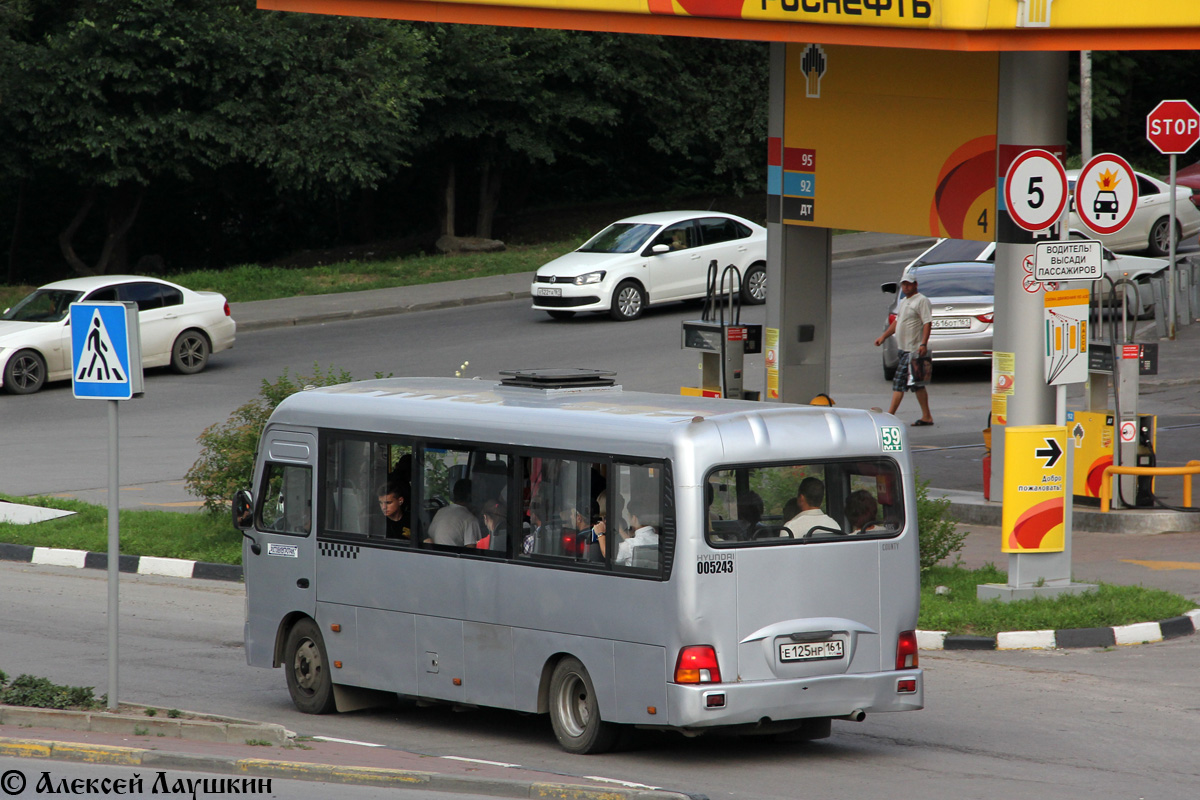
590, 277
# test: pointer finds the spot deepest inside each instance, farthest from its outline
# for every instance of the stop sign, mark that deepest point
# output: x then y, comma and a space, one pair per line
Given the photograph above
1173, 126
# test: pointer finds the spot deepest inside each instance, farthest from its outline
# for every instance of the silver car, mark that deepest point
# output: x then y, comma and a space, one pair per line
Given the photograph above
1139, 269
962, 296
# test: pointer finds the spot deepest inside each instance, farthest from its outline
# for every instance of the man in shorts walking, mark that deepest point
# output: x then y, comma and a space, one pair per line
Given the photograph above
912, 326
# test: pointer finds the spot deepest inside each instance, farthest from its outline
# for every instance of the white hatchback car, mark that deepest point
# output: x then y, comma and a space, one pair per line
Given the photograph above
1149, 229
651, 259
179, 327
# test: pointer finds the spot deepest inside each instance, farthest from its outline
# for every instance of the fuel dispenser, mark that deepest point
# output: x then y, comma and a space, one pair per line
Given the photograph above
723, 344
1111, 432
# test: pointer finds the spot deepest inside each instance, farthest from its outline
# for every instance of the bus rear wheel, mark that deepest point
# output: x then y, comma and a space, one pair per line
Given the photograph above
307, 668
575, 712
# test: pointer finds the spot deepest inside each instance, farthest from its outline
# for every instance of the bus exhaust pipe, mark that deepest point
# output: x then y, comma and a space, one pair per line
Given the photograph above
857, 715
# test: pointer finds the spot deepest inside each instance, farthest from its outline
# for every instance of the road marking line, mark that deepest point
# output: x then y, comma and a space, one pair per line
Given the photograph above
629, 784
1159, 566
346, 741
481, 761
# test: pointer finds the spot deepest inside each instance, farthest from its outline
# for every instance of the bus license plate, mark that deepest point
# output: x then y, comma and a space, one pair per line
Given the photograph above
951, 323
543, 292
811, 651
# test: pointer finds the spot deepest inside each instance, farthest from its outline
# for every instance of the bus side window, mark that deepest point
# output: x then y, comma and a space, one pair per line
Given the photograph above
285, 500
636, 520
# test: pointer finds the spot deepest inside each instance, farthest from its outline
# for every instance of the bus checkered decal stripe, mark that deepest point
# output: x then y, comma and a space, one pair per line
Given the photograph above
335, 550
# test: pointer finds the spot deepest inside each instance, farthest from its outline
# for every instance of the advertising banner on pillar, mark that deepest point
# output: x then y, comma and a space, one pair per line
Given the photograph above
888, 140
1035, 489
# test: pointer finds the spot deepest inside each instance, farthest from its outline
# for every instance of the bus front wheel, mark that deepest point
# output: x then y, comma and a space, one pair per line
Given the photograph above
307, 668
575, 712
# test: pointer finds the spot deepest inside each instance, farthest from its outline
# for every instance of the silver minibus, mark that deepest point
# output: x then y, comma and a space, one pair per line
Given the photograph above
551, 543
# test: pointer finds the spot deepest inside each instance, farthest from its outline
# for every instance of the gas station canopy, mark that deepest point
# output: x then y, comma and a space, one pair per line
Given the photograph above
968, 25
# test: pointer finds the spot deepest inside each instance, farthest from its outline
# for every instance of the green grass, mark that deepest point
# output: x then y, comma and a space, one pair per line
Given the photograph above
167, 534
254, 282
959, 612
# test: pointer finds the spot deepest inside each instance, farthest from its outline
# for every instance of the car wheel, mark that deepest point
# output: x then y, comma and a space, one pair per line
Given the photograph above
575, 712
25, 373
560, 314
1160, 240
889, 372
189, 354
306, 666
754, 285
629, 301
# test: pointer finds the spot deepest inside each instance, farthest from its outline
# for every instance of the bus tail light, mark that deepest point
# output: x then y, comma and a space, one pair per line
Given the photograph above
906, 650
697, 664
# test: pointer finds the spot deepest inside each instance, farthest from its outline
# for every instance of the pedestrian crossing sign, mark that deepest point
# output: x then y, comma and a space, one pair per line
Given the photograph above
106, 353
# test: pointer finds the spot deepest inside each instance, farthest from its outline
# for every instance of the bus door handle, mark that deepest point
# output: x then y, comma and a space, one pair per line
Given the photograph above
302, 583
811, 636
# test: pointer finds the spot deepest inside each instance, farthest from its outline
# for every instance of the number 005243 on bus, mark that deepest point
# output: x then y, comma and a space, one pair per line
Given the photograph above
553, 544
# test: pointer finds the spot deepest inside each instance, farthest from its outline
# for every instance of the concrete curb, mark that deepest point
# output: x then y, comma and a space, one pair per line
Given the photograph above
140, 565
328, 773
317, 317
970, 508
1138, 633
223, 730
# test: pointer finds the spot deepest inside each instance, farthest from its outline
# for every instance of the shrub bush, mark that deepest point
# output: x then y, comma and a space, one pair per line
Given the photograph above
937, 534
34, 692
227, 449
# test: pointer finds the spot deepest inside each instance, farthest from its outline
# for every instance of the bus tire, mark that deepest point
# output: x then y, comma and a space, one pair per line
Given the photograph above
306, 666
575, 712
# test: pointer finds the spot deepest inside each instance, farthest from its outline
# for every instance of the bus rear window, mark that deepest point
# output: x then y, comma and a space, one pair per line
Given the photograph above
803, 502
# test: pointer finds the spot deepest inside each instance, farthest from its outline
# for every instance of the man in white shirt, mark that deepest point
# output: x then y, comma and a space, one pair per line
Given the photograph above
912, 326
810, 496
639, 534
456, 524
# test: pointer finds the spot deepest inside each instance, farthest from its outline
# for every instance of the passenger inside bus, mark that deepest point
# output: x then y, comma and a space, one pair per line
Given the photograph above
393, 502
495, 519
639, 545
861, 511
455, 525
542, 531
593, 536
750, 514
811, 518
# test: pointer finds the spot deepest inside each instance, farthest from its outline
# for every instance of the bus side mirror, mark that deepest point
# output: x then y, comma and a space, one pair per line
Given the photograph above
243, 518
243, 511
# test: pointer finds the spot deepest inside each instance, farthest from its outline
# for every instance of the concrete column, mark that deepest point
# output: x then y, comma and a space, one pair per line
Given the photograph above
799, 275
1032, 113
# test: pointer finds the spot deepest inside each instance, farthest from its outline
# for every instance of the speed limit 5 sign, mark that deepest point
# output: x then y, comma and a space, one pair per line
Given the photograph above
1035, 190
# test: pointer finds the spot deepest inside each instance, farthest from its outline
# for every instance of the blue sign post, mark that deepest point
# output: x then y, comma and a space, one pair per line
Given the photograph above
106, 364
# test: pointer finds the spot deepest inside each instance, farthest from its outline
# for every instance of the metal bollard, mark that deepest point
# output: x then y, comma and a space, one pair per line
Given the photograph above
1184, 299
1158, 285
1194, 263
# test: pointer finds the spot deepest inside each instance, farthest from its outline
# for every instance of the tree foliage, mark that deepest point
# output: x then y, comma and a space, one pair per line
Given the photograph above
937, 533
228, 449
118, 94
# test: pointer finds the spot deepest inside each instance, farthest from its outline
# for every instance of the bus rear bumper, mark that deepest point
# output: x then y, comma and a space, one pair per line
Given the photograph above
716, 704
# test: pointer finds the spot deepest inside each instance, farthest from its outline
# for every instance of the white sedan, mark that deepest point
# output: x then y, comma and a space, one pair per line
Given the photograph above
179, 327
651, 259
1150, 226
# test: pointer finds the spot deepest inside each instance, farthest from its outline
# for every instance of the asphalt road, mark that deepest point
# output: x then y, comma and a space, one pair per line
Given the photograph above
55, 444
1071, 724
